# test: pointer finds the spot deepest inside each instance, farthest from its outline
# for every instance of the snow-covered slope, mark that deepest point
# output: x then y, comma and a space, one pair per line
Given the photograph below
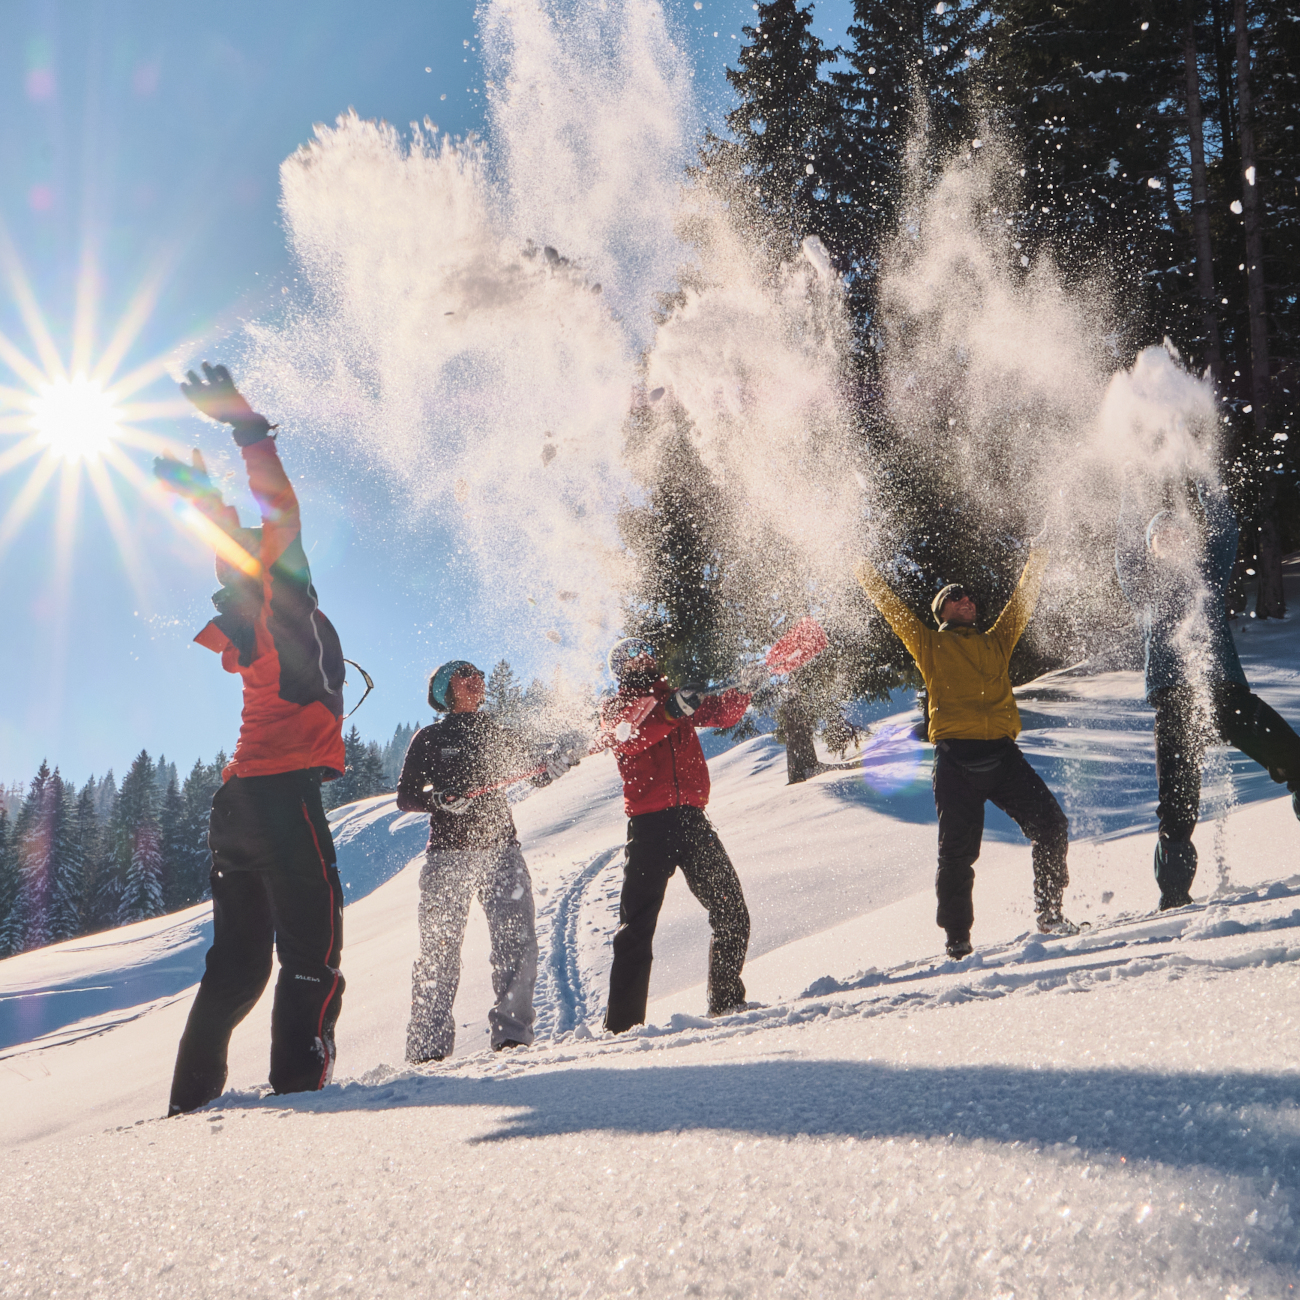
1117, 1113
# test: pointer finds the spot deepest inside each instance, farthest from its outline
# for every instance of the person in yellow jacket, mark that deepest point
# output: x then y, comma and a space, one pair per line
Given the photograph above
973, 727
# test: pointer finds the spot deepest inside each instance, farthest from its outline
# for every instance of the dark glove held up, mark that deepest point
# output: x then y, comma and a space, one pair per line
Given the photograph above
218, 398
684, 701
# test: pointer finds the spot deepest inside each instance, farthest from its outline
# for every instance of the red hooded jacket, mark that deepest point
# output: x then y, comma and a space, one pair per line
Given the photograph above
272, 633
661, 762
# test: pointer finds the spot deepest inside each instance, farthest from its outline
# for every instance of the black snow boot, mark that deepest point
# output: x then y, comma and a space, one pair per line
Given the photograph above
958, 946
1175, 865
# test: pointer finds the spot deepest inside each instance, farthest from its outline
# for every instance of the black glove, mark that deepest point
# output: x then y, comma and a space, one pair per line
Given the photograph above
456, 804
218, 398
190, 481
685, 700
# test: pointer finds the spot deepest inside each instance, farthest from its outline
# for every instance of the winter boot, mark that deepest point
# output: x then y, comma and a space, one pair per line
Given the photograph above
958, 946
1175, 865
1049, 923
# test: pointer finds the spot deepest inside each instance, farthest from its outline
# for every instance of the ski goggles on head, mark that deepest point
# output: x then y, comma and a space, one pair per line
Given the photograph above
628, 649
440, 682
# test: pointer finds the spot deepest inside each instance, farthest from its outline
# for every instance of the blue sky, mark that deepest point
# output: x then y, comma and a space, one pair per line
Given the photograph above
140, 143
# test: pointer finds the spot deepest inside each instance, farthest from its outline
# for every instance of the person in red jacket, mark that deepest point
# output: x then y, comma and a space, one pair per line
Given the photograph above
274, 879
651, 728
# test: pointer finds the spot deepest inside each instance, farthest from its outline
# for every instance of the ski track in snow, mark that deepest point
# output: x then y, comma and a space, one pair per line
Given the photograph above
561, 1000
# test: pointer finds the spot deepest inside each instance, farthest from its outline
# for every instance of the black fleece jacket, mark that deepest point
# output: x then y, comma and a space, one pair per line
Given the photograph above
456, 754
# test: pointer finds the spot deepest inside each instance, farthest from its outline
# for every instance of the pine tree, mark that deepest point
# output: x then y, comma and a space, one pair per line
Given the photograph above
344, 790
34, 829
907, 75
175, 849
106, 899
194, 859
504, 695
143, 895
1277, 129
90, 842
164, 773
395, 751
1094, 93
66, 867
370, 772
11, 938
777, 168
137, 849
678, 546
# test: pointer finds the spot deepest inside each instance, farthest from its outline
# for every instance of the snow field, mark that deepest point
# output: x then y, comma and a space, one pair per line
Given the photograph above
1001, 1147
1116, 1113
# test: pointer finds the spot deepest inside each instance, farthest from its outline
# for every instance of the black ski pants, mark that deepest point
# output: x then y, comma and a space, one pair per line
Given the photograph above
966, 773
274, 885
657, 844
1183, 731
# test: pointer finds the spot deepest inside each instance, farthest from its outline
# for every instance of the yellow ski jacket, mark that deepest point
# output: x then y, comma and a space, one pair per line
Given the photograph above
965, 671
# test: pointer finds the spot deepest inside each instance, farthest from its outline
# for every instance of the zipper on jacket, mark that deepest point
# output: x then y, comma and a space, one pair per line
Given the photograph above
672, 753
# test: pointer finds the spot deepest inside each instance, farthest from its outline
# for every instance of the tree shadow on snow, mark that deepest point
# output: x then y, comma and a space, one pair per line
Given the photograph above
1246, 1124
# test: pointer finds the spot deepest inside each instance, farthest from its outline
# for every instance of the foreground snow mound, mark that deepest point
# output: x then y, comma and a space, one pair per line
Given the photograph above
947, 1134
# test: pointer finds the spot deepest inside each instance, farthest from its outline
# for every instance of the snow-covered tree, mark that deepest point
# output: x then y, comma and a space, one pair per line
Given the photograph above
34, 829
11, 937
66, 865
395, 752
136, 845
175, 849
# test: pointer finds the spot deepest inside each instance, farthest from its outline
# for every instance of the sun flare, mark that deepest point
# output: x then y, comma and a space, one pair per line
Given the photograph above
68, 422
76, 418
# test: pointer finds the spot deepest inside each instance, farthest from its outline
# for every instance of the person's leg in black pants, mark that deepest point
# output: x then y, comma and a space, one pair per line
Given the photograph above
1179, 747
713, 881
1023, 795
1260, 732
647, 866
960, 807
308, 913
237, 968
274, 883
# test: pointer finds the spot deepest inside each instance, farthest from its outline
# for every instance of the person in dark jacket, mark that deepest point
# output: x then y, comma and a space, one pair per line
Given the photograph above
651, 728
274, 879
1175, 573
456, 770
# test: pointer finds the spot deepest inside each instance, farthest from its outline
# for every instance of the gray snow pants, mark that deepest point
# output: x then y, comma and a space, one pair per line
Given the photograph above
498, 878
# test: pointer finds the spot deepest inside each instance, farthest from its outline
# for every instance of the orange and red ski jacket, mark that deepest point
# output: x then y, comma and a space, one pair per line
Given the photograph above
661, 762
276, 638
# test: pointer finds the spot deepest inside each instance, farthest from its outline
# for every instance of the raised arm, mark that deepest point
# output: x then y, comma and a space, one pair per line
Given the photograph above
721, 711
1019, 609
909, 628
275, 497
218, 398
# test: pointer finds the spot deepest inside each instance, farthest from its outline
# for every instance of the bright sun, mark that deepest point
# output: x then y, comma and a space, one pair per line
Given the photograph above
75, 418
